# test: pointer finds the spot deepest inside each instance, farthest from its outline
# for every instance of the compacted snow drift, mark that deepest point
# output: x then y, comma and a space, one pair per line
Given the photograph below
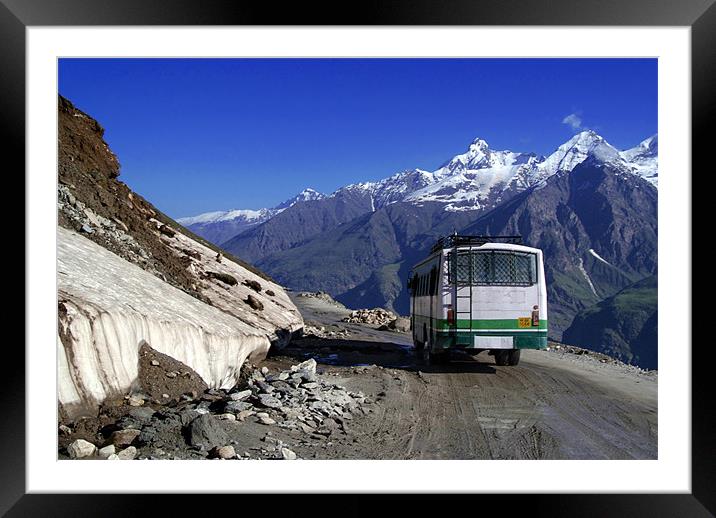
108, 308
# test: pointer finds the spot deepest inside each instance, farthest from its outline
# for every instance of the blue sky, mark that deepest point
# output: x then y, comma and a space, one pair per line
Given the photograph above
195, 135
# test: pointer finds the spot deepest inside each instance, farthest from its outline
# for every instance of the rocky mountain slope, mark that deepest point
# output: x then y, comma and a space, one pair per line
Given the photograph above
218, 227
299, 223
365, 262
597, 227
128, 274
623, 326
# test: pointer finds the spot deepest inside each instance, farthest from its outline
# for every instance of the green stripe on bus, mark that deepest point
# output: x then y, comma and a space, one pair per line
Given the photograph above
507, 323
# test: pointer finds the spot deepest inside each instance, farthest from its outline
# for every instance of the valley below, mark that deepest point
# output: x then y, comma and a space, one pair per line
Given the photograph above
355, 391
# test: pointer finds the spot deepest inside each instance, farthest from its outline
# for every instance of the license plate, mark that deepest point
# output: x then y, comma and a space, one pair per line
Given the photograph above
523, 322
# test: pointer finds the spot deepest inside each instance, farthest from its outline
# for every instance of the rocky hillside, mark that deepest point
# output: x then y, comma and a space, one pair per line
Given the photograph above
298, 224
128, 274
623, 326
220, 226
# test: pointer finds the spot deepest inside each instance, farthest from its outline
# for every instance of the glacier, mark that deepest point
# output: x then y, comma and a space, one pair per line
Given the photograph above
107, 307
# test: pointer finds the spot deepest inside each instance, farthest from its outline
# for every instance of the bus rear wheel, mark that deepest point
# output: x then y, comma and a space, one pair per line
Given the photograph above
514, 358
431, 358
502, 357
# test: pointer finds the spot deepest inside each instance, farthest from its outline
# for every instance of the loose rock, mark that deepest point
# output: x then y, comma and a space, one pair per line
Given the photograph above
224, 452
80, 449
107, 451
206, 431
124, 437
288, 454
254, 303
127, 453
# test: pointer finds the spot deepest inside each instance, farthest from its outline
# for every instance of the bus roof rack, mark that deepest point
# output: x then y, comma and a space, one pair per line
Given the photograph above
454, 240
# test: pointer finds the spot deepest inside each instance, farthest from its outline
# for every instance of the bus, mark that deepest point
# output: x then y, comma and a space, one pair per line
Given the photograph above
479, 293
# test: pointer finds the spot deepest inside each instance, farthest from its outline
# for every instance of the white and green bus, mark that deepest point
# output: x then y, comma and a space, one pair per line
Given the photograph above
479, 293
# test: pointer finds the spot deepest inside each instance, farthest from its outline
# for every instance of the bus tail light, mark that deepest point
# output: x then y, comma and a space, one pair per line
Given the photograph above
450, 315
535, 316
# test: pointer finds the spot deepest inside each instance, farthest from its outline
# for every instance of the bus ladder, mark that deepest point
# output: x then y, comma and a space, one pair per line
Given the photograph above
469, 291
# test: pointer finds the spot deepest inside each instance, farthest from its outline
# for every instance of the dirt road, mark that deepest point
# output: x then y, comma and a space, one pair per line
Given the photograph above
554, 405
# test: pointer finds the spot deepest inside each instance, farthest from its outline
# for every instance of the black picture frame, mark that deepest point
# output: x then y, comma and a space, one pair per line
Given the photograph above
699, 15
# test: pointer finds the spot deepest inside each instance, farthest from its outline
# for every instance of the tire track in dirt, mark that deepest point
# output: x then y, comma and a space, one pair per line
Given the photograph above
551, 406
474, 410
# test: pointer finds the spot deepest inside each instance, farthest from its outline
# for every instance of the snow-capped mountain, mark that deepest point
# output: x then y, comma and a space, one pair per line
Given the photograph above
482, 178
307, 194
228, 215
478, 179
645, 159
391, 189
219, 226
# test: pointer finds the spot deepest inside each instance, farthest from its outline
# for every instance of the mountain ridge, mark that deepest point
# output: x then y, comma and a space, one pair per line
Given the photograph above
477, 179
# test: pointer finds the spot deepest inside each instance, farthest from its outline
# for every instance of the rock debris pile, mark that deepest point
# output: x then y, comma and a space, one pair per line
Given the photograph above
220, 424
317, 330
377, 316
322, 295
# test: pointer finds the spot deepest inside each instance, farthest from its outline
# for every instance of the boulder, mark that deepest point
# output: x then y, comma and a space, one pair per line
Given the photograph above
238, 396
107, 451
127, 454
254, 285
80, 449
207, 431
124, 437
254, 303
237, 406
269, 401
224, 452
288, 454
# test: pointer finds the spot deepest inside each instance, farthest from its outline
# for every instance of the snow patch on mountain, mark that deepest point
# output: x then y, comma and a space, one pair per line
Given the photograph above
599, 257
307, 194
229, 215
586, 276
644, 159
250, 215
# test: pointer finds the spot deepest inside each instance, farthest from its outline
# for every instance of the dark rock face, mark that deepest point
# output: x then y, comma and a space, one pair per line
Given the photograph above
297, 224
254, 285
206, 431
223, 277
165, 379
623, 326
254, 303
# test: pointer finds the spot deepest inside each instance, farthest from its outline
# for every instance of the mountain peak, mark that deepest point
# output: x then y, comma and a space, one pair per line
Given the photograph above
480, 144
307, 194
586, 138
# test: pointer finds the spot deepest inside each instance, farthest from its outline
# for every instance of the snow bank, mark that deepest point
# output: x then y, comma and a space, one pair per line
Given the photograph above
108, 306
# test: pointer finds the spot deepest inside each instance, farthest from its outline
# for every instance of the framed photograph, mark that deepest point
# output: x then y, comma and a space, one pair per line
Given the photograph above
413, 251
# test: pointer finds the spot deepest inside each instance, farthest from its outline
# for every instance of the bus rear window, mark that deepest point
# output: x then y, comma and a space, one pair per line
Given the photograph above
488, 268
